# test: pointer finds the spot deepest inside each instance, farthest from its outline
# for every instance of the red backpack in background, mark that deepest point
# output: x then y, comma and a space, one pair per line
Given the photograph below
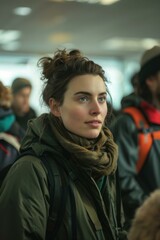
146, 135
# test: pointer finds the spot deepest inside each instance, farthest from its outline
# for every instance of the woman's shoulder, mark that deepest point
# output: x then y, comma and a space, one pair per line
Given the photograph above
30, 162
27, 167
123, 123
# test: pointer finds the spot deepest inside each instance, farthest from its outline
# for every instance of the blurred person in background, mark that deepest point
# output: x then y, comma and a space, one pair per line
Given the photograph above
21, 89
11, 133
134, 82
131, 97
137, 133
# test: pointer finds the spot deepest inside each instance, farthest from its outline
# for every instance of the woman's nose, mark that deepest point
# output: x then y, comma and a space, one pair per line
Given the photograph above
95, 108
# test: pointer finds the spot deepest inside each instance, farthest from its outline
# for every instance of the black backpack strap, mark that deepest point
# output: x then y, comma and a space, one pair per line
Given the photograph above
62, 189
73, 214
59, 192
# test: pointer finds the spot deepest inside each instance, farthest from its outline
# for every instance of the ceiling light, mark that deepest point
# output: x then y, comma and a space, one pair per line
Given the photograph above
129, 44
149, 42
9, 35
104, 2
22, 11
60, 37
108, 2
12, 46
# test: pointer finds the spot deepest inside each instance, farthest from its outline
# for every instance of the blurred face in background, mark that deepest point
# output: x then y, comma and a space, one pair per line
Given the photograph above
154, 85
21, 100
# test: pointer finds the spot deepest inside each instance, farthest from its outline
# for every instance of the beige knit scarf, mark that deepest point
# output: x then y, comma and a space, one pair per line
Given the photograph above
98, 155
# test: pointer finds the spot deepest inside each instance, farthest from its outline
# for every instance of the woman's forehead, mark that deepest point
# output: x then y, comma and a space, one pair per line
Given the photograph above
87, 83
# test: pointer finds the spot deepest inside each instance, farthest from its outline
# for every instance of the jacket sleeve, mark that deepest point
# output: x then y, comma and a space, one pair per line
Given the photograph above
126, 137
24, 202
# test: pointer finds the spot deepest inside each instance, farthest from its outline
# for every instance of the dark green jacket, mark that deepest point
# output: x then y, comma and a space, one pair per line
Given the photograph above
25, 197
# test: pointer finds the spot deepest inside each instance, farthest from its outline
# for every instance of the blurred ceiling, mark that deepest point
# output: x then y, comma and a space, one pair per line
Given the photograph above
123, 29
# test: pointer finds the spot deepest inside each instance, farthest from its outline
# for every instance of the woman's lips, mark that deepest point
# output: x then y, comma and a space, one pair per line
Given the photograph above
94, 123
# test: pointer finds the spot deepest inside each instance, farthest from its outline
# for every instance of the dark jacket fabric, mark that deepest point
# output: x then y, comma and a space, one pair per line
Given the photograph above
9, 140
135, 186
25, 197
23, 120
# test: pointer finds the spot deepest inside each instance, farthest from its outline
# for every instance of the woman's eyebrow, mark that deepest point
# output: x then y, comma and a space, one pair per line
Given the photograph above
88, 93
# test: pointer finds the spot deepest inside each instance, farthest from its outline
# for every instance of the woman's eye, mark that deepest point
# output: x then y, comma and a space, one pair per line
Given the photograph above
83, 99
102, 99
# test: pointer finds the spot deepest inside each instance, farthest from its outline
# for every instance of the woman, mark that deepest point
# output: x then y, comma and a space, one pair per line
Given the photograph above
72, 137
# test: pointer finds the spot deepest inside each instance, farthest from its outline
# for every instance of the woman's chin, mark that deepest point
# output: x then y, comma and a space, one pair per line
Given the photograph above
91, 134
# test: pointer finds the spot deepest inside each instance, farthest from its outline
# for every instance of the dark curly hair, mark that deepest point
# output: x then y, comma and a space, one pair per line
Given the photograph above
57, 71
61, 68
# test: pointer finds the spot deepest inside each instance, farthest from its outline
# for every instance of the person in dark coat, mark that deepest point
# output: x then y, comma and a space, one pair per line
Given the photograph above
137, 184
72, 136
11, 133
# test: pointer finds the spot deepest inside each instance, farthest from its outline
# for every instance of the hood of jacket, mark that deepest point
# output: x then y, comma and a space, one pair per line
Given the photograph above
130, 100
39, 137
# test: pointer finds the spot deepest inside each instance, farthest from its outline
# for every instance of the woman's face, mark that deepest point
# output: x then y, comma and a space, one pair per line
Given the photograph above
84, 107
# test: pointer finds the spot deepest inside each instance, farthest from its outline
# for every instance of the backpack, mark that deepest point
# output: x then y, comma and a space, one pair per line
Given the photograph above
9, 147
146, 135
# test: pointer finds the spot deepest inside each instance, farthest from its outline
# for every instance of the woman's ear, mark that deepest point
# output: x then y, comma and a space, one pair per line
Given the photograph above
54, 107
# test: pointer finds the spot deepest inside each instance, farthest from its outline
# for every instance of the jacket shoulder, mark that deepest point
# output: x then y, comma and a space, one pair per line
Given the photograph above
123, 122
28, 167
26, 186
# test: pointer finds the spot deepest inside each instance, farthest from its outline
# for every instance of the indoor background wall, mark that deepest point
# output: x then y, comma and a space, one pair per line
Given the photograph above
117, 72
